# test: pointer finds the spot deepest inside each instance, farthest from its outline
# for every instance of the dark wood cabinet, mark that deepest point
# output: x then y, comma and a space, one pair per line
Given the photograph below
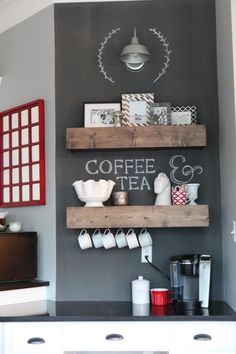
18, 256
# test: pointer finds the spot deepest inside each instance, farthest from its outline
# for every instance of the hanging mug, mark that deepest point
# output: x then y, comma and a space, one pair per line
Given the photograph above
120, 239
84, 240
132, 239
179, 195
145, 238
97, 238
108, 239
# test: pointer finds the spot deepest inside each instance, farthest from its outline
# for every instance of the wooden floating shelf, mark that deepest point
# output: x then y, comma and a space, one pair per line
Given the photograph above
162, 136
138, 216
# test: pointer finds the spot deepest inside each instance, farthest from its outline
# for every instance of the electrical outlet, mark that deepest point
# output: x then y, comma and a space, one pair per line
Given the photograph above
146, 252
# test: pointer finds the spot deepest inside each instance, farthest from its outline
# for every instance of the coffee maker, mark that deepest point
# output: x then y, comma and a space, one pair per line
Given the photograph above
190, 279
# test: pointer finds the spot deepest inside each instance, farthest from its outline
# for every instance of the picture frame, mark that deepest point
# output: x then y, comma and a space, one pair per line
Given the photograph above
100, 114
22, 155
136, 108
160, 112
183, 115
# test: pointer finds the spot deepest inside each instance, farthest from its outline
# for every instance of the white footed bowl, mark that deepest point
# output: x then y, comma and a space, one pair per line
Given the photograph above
93, 193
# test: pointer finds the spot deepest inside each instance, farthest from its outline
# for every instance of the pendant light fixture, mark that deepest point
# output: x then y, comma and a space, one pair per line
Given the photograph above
134, 55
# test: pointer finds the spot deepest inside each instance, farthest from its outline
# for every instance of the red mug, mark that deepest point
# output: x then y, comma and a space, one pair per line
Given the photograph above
160, 296
159, 310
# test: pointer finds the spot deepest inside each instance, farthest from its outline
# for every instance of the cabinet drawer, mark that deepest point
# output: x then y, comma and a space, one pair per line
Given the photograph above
116, 336
33, 338
200, 336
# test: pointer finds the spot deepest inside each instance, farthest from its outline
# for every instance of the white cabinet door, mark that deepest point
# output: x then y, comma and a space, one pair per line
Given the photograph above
1, 337
116, 336
33, 338
202, 336
202, 352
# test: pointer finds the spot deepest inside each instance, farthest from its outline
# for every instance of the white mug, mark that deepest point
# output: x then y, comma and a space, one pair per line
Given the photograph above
131, 239
15, 226
145, 238
97, 238
108, 239
120, 238
84, 240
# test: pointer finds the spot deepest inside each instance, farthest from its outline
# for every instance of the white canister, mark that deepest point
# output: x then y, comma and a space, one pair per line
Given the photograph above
140, 291
15, 226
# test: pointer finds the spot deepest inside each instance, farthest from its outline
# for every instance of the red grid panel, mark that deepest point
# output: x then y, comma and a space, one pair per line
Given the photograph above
22, 155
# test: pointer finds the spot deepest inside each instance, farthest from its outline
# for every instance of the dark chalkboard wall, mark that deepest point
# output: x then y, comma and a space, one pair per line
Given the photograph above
189, 26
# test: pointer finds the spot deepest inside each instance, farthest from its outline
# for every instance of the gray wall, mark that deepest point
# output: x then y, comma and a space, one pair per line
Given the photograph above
27, 65
226, 86
191, 80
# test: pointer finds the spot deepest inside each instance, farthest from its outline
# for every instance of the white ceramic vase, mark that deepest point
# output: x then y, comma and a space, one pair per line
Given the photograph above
93, 193
192, 193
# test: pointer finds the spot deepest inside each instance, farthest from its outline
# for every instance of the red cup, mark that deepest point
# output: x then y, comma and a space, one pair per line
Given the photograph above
160, 296
159, 310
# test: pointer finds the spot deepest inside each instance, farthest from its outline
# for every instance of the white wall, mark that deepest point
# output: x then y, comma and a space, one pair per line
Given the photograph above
233, 21
13, 12
226, 34
27, 65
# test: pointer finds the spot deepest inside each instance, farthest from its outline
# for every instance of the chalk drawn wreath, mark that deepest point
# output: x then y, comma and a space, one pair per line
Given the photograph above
158, 34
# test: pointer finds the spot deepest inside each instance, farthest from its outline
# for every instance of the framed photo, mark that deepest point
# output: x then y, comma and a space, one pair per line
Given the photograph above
161, 113
136, 108
184, 115
100, 114
22, 156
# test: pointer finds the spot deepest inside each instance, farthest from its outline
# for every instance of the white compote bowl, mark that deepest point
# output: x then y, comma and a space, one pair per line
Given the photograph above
93, 193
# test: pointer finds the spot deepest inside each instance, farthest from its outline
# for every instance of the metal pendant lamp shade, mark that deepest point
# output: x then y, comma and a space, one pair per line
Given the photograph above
135, 55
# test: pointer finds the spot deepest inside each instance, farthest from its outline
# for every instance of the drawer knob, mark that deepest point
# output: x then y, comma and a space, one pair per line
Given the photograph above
35, 340
114, 336
202, 337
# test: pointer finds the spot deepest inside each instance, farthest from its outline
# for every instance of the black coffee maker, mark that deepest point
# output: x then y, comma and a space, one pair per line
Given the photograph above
190, 279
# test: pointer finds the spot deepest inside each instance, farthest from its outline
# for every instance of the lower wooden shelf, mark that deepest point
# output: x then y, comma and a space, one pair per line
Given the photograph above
138, 216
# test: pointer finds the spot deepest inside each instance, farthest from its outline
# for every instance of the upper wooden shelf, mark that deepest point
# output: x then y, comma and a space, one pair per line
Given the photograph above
162, 136
138, 216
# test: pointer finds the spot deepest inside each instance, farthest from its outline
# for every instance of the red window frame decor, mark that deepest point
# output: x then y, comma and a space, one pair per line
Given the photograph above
22, 155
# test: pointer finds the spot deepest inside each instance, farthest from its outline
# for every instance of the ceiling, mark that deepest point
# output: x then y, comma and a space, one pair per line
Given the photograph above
13, 12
